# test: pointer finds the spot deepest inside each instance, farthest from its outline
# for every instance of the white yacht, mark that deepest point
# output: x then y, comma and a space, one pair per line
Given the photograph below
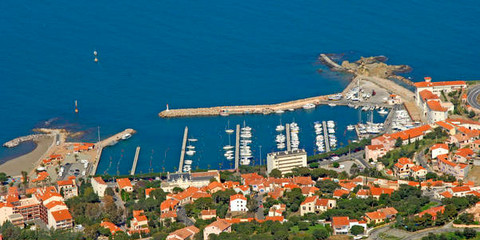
126, 136
332, 104
350, 127
309, 106
229, 131
188, 162
280, 128
190, 152
383, 111
192, 139
279, 111
191, 147
228, 147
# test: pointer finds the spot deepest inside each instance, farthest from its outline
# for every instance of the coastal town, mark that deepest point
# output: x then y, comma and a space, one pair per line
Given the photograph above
415, 176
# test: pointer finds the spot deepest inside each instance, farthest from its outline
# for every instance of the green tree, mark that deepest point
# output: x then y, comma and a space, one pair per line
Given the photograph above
469, 233
399, 142
320, 234
357, 229
275, 173
3, 177
336, 164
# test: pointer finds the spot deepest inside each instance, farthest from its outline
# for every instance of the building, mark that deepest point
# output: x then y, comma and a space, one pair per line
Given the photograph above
418, 172
99, 186
277, 210
124, 184
216, 228
402, 167
433, 212
381, 215
184, 233
139, 222
61, 219
6, 210
238, 203
68, 187
314, 204
459, 170
208, 214
342, 225
286, 161
111, 227
438, 87
185, 180
438, 149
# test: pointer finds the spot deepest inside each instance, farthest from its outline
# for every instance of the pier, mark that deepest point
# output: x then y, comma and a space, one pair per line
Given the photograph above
237, 147
135, 160
330, 63
325, 136
182, 153
287, 132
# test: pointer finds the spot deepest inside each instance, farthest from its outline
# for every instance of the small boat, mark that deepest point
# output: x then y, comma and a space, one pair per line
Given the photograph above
192, 139
382, 111
280, 128
279, 111
332, 104
350, 127
126, 136
335, 97
227, 147
188, 162
229, 131
309, 106
190, 152
95, 53
230, 158
246, 135
291, 109
191, 147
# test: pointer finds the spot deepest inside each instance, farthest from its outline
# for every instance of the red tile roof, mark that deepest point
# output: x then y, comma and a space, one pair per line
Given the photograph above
123, 183
436, 106
61, 215
99, 180
439, 145
340, 221
340, 192
434, 84
425, 95
238, 196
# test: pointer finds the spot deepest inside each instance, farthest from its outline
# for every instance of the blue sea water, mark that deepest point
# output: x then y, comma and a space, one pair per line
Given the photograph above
196, 54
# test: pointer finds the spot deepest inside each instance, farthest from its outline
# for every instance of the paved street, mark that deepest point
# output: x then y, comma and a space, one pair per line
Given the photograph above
473, 96
259, 213
182, 216
420, 159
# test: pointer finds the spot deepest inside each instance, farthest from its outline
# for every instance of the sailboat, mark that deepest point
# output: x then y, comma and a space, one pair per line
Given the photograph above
228, 130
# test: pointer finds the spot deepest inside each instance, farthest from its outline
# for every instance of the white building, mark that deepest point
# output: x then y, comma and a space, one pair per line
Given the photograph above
99, 186
286, 161
238, 203
439, 149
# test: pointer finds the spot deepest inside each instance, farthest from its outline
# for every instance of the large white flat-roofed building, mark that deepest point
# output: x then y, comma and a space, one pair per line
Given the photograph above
285, 161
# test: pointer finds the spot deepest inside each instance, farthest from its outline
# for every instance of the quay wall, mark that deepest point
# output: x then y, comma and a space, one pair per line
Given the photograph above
14, 142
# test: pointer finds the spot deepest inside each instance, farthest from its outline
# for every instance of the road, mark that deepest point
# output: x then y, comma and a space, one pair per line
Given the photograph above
182, 216
259, 214
346, 157
473, 96
420, 159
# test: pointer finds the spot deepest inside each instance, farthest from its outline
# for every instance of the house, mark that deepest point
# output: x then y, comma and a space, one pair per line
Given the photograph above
238, 203
169, 205
394, 99
148, 192
60, 219
172, 215
463, 155
340, 192
433, 211
216, 228
377, 192
183, 233
215, 186
457, 170
110, 226
381, 215
208, 214
243, 189
99, 186
460, 191
374, 152
363, 193
314, 204
402, 167
277, 210
342, 225
186, 179
418, 172
139, 222
124, 184
438, 149
309, 191
68, 187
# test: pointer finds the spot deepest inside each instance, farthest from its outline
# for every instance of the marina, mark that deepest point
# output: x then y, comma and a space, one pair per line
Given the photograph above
182, 153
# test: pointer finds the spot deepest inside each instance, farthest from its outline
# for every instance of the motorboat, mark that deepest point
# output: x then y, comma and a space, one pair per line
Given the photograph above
309, 106
350, 127
188, 162
192, 139
332, 104
126, 136
227, 147
291, 109
191, 147
335, 97
280, 128
279, 111
246, 135
247, 128
190, 152
229, 131
382, 111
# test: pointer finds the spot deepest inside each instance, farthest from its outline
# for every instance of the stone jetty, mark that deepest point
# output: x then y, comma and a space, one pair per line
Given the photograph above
14, 142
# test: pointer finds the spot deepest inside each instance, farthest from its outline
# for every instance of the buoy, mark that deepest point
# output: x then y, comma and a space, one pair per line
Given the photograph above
95, 53
76, 107
96, 59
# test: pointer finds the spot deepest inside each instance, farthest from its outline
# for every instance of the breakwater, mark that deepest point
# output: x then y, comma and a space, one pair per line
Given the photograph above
15, 142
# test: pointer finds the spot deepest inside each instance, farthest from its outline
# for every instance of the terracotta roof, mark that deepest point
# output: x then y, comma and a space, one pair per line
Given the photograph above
445, 161
379, 191
209, 212
425, 95
436, 106
238, 196
169, 204
363, 192
439, 145
433, 211
434, 84
340, 192
417, 168
112, 227
99, 180
214, 185
186, 232
309, 200
376, 215
41, 176
460, 189
349, 185
303, 180
340, 221
54, 204
307, 190
374, 147
148, 191
405, 160
445, 125
464, 152
123, 183
61, 215
388, 211
169, 214
65, 182
221, 224
410, 133
446, 194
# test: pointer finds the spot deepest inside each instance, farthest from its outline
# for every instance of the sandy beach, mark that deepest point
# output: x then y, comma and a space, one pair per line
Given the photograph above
15, 166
